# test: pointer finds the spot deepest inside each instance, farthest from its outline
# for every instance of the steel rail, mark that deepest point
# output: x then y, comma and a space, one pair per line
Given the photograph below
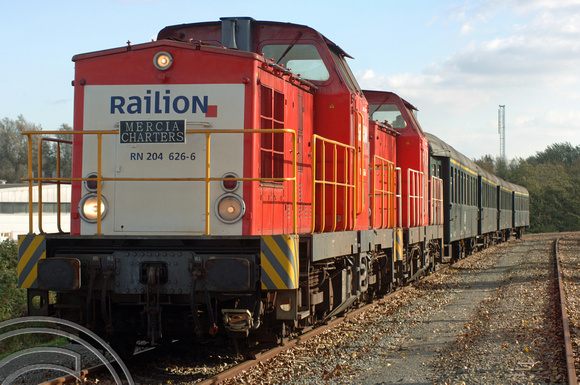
572, 379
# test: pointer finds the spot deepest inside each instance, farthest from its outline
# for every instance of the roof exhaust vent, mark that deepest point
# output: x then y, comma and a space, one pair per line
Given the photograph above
237, 33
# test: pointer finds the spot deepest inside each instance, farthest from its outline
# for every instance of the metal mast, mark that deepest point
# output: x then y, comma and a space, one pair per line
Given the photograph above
501, 131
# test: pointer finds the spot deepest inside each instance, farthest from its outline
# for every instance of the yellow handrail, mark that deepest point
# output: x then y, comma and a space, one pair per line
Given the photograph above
349, 185
359, 160
58, 173
207, 178
386, 177
415, 197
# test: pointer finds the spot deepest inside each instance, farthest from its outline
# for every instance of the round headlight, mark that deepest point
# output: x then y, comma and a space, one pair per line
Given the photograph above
88, 207
230, 208
229, 184
162, 60
91, 185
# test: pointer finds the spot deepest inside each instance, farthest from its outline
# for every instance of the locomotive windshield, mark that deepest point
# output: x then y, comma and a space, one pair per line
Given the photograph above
345, 72
301, 59
389, 113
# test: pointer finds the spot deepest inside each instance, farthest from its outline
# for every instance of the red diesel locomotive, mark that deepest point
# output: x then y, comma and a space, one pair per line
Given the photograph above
231, 178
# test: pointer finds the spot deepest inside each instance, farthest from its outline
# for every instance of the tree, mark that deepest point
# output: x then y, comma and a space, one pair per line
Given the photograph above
14, 149
487, 163
51, 151
563, 153
552, 178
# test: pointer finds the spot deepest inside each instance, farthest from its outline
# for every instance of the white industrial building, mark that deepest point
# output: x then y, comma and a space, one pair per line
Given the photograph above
14, 218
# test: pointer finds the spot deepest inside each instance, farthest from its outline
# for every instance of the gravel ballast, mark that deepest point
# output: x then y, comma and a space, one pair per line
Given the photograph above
491, 318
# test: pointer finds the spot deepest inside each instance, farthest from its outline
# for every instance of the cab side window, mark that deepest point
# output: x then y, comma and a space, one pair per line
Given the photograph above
301, 59
388, 113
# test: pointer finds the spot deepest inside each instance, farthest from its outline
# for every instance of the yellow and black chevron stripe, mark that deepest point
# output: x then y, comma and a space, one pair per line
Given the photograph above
279, 262
398, 244
31, 249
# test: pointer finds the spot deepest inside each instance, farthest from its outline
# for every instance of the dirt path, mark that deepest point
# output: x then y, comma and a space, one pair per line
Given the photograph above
488, 319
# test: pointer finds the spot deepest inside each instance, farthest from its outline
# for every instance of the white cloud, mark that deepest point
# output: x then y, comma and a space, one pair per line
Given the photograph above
563, 118
531, 65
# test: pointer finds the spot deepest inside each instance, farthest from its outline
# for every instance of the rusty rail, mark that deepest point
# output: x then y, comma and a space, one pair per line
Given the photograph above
572, 379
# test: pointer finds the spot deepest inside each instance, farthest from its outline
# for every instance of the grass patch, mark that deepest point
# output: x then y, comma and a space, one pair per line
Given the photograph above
13, 304
13, 299
18, 343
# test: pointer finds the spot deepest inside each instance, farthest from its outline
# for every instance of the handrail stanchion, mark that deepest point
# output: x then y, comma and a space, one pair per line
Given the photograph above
294, 184
58, 197
207, 179
39, 160
30, 187
99, 179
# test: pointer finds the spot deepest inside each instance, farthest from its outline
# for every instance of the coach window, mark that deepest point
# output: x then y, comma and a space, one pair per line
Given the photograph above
461, 188
465, 189
456, 200
462, 178
472, 187
474, 191
469, 190
301, 59
485, 192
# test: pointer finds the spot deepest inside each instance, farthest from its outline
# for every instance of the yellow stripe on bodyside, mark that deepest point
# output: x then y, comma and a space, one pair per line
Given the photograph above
465, 168
489, 181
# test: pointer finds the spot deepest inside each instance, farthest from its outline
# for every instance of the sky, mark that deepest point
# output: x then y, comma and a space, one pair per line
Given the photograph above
455, 60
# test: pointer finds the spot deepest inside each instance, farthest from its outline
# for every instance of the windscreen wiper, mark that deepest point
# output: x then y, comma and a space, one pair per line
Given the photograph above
298, 36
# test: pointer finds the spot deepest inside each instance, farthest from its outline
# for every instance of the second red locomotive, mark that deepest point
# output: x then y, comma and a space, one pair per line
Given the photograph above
231, 178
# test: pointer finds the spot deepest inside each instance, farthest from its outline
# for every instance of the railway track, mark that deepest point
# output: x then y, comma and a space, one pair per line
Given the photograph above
567, 265
528, 352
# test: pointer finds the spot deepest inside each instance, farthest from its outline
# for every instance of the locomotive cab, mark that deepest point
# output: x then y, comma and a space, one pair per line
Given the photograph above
421, 192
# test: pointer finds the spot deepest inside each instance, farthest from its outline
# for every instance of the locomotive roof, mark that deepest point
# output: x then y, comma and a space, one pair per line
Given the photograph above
210, 32
383, 97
